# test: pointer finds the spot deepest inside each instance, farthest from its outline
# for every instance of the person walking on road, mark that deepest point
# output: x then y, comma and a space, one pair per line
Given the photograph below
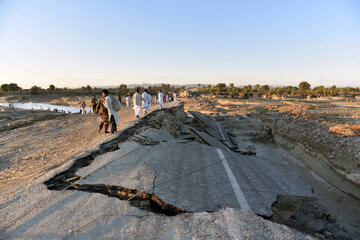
127, 101
175, 96
112, 113
137, 100
146, 101
94, 103
104, 114
82, 106
119, 98
161, 98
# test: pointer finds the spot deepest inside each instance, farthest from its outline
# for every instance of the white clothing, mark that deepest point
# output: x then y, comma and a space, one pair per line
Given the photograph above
167, 98
137, 109
147, 101
175, 97
161, 98
111, 110
128, 101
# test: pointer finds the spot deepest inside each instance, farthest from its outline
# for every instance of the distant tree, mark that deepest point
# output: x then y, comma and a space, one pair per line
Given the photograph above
51, 87
10, 87
13, 87
220, 87
333, 90
34, 90
231, 85
304, 86
4, 87
88, 88
256, 87
122, 87
83, 88
320, 90
264, 88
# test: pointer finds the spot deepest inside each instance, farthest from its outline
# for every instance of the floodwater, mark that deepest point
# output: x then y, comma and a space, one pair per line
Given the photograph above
44, 106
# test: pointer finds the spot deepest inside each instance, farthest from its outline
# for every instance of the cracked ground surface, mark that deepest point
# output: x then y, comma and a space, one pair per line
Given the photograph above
138, 171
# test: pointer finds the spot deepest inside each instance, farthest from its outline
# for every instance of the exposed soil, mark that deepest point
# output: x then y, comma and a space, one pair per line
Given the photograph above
318, 138
326, 132
30, 151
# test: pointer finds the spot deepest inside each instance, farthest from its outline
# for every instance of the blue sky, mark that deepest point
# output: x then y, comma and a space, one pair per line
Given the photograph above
74, 43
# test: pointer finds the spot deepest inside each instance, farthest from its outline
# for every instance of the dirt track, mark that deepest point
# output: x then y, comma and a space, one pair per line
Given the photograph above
30, 151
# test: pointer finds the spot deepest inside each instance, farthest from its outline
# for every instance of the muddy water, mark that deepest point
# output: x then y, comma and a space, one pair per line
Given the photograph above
43, 106
345, 207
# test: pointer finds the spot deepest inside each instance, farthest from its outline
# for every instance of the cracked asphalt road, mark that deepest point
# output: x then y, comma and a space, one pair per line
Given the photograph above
188, 175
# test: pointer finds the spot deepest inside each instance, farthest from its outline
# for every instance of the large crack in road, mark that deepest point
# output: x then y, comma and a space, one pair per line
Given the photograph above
137, 198
67, 180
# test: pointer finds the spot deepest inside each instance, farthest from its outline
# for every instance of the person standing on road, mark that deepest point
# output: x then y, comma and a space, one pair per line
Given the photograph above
128, 101
82, 106
137, 100
94, 103
112, 113
146, 101
104, 114
119, 98
161, 98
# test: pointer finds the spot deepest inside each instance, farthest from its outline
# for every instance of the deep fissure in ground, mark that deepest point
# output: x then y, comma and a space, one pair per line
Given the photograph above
147, 201
150, 202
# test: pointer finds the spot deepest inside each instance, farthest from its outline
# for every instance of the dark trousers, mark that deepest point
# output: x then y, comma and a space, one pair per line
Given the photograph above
113, 124
94, 107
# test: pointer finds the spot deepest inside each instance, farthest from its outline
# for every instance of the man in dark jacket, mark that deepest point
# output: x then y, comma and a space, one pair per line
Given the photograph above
94, 103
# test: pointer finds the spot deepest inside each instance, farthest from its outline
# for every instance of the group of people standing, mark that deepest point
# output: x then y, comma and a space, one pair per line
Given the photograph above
104, 106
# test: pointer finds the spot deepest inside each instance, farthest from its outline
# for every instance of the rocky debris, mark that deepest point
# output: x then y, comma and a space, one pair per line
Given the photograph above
216, 130
286, 205
144, 140
170, 119
203, 103
313, 219
305, 215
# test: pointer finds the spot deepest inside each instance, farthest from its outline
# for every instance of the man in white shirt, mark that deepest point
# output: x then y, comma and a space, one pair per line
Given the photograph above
112, 113
137, 98
161, 98
128, 101
147, 101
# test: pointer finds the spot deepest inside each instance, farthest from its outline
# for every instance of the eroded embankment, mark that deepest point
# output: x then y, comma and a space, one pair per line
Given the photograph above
334, 158
325, 217
168, 119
